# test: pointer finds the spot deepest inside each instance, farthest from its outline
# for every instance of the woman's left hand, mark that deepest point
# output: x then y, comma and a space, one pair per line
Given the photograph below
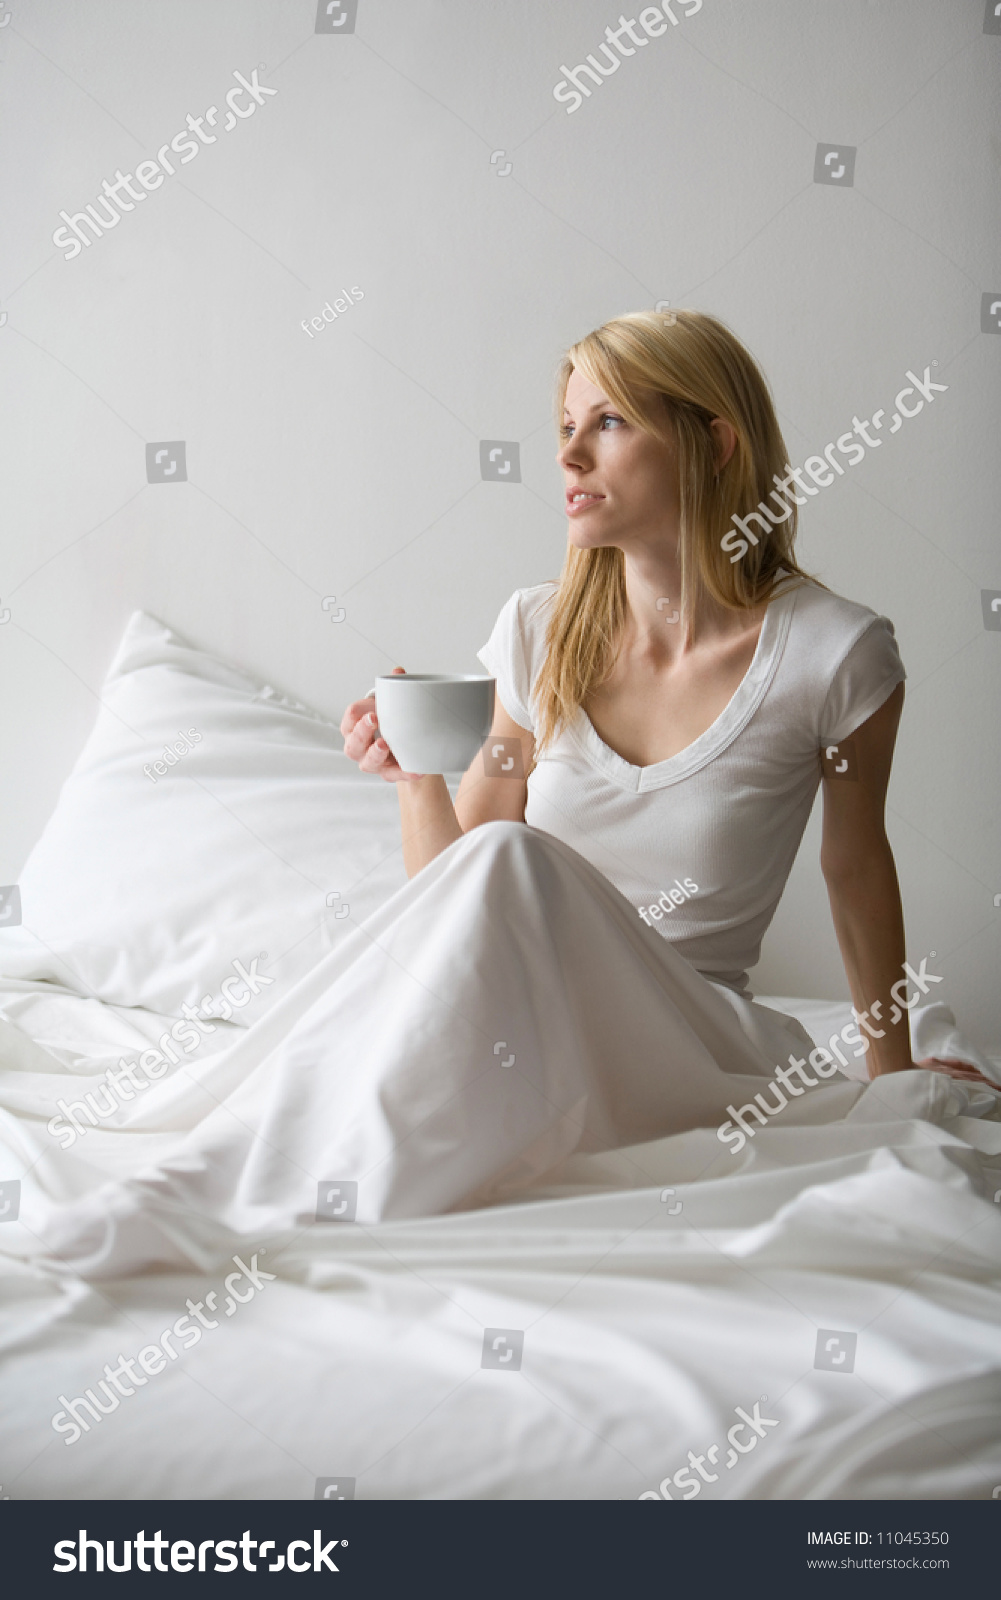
956, 1069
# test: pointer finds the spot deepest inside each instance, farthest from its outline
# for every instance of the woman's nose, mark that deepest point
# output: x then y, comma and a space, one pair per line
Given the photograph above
571, 454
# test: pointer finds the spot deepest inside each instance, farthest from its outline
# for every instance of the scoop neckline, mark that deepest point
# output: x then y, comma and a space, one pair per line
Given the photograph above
731, 721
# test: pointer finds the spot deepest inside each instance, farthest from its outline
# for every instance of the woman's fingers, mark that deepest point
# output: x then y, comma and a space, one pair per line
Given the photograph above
955, 1069
377, 754
363, 742
376, 750
380, 759
358, 735
359, 709
355, 713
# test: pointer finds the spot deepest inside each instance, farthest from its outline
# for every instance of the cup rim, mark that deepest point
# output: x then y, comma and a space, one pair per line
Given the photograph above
434, 677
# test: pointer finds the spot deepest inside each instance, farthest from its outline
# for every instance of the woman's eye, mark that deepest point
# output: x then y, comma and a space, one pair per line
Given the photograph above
567, 429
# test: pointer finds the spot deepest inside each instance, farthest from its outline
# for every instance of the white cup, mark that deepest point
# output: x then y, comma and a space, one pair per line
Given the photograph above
434, 722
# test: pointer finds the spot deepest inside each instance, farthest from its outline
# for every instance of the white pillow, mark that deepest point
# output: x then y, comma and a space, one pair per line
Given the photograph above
148, 886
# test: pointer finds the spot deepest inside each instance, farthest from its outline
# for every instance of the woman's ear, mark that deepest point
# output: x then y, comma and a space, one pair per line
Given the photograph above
726, 440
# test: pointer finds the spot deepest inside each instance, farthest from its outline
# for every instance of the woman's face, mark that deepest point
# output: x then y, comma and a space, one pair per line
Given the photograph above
634, 475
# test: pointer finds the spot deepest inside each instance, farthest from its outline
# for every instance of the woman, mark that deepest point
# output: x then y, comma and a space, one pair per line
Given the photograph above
671, 702
580, 983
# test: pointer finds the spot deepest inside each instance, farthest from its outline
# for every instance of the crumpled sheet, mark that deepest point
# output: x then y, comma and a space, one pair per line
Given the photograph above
657, 1280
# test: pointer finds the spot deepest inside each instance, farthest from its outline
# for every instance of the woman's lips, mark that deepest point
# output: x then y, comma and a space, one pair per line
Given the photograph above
576, 507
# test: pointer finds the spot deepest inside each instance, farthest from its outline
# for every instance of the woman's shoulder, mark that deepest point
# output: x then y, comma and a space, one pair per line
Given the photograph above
840, 659
526, 609
823, 617
515, 651
536, 594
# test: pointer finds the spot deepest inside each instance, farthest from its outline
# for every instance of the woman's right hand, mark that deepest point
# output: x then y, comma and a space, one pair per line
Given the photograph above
363, 743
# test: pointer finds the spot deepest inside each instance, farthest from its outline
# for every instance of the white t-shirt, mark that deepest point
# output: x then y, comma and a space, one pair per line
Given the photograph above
719, 823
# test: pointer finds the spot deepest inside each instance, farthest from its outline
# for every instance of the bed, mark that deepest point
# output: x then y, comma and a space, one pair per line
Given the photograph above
816, 1318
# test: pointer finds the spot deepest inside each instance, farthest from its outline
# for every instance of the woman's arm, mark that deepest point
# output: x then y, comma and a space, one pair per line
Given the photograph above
861, 878
429, 821
857, 863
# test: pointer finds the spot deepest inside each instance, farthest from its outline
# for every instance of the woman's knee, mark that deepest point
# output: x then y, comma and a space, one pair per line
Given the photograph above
496, 835
505, 838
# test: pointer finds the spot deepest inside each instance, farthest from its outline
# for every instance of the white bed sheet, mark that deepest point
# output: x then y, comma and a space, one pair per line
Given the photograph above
644, 1326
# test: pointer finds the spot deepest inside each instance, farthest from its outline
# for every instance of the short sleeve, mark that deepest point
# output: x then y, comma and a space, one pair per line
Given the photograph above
511, 654
868, 674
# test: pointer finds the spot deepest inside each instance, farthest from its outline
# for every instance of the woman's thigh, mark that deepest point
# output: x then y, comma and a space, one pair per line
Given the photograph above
504, 1009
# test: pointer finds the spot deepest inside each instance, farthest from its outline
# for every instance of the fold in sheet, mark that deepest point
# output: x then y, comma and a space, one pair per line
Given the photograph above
503, 1010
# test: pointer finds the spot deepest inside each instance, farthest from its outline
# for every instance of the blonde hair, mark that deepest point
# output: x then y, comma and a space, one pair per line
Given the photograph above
668, 374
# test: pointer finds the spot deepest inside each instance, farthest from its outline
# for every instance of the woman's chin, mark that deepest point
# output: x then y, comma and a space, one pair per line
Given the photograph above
583, 539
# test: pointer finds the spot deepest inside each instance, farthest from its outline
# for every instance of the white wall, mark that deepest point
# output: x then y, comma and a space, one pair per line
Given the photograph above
348, 464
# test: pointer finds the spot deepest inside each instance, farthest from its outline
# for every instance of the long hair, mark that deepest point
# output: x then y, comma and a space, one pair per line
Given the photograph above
669, 374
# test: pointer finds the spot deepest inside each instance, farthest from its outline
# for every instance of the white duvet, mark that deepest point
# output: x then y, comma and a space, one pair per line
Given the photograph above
558, 1283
